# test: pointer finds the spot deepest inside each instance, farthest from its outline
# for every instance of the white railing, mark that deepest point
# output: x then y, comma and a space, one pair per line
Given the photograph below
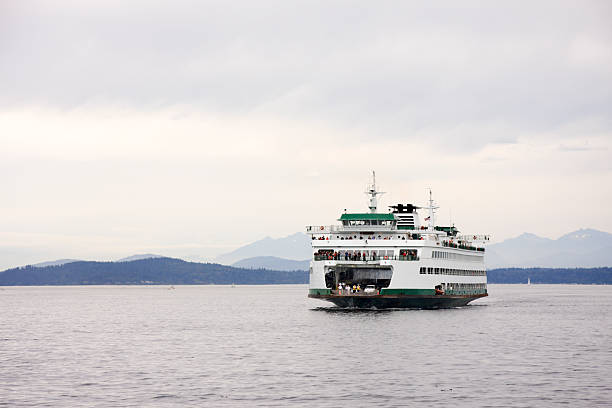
475, 237
329, 229
323, 229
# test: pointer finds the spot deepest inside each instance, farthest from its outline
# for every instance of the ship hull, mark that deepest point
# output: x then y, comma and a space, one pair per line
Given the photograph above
398, 301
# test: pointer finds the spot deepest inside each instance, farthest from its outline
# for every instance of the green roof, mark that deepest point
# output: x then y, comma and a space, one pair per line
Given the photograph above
367, 216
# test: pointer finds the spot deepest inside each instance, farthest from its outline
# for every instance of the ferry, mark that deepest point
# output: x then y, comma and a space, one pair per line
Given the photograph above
395, 260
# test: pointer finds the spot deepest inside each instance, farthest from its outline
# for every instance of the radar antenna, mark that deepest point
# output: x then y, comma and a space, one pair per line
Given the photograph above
371, 191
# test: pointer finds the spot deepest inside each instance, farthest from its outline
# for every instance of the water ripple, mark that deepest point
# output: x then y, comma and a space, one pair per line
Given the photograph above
272, 346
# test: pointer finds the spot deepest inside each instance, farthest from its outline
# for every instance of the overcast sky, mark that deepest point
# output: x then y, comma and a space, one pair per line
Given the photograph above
188, 128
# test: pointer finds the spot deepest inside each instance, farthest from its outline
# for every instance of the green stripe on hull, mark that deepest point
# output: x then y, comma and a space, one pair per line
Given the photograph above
407, 292
319, 291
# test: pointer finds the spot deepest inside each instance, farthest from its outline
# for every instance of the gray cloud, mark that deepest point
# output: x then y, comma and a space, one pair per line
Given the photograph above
392, 69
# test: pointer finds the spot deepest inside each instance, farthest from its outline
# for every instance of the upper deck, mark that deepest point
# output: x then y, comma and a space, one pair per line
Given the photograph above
399, 227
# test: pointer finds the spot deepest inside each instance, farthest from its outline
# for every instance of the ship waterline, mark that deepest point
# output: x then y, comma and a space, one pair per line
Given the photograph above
392, 260
406, 300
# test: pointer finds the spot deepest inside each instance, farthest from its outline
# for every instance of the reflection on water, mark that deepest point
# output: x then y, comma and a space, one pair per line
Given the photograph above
334, 309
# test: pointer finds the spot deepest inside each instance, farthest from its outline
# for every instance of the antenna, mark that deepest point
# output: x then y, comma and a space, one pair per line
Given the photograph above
371, 191
432, 213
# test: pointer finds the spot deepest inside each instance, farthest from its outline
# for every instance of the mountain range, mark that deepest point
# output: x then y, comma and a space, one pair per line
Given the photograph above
59, 262
270, 260
273, 262
584, 248
295, 247
171, 271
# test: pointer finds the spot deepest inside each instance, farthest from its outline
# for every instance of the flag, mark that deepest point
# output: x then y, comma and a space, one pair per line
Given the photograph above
427, 219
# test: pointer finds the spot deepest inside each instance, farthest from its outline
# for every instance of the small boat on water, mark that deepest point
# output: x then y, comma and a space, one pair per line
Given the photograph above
393, 260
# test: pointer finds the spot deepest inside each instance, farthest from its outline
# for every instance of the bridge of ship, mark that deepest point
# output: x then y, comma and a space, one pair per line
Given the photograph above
384, 226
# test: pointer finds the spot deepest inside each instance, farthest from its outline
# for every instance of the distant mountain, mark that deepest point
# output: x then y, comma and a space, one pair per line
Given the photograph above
138, 257
163, 271
54, 263
585, 248
295, 247
274, 263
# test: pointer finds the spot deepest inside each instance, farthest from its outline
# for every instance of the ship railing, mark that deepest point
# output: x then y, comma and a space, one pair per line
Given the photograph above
370, 238
365, 259
461, 245
476, 237
330, 229
325, 229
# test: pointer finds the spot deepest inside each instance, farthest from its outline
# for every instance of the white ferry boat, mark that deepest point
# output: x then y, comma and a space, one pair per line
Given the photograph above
392, 260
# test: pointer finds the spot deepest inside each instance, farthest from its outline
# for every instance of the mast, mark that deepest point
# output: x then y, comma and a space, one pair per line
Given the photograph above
432, 213
371, 191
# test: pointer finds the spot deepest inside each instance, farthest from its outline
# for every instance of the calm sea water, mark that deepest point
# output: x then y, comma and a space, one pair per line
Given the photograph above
524, 346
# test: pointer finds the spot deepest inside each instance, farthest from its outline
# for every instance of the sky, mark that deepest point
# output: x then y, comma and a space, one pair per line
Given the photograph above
189, 128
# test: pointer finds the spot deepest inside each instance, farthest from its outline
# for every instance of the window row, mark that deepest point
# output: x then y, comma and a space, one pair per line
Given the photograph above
452, 255
358, 223
354, 255
451, 271
464, 288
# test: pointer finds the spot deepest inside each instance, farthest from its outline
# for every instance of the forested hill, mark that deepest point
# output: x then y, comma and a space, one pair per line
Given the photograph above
585, 276
170, 271
162, 271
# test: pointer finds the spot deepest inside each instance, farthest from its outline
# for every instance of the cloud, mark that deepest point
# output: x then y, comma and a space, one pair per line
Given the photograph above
390, 70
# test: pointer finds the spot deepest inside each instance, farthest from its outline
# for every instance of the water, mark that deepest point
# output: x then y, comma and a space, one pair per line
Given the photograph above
524, 346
